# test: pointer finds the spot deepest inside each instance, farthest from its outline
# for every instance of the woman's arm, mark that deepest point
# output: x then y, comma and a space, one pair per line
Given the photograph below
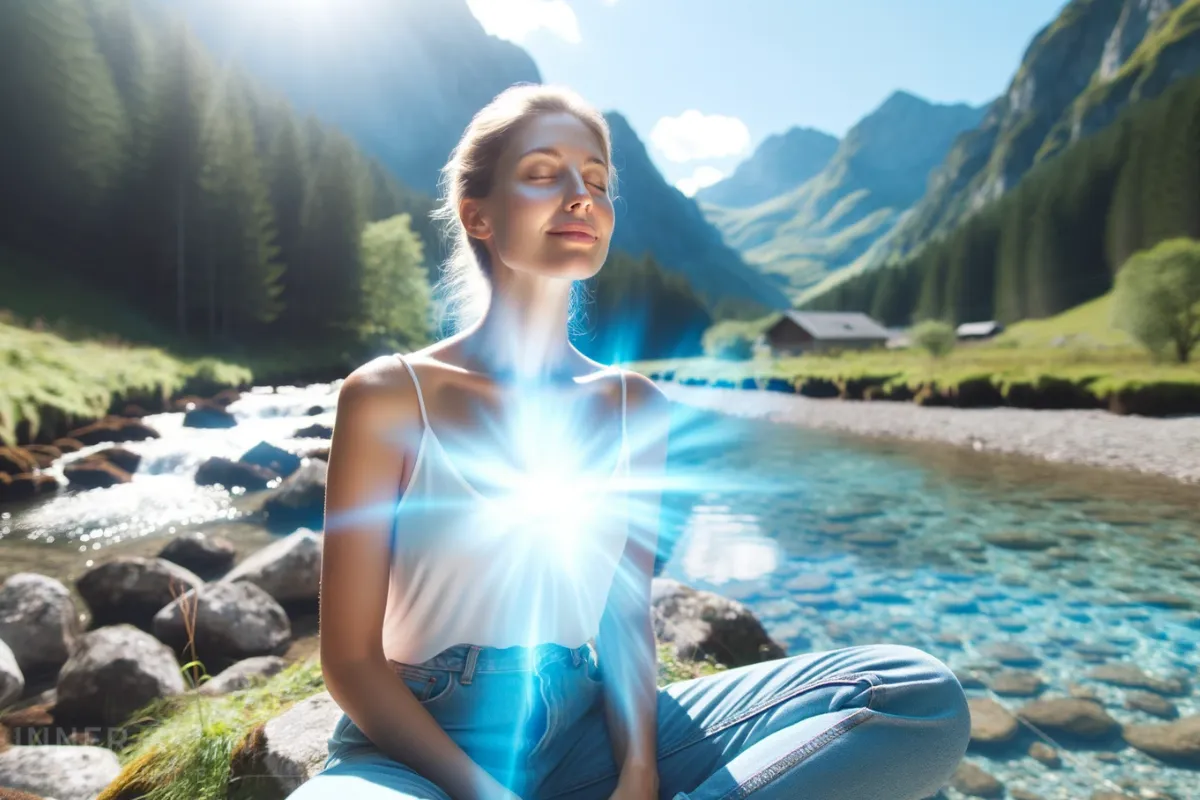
376, 411
626, 644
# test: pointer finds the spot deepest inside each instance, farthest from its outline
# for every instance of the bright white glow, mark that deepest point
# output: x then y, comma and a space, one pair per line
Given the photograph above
515, 20
722, 547
701, 177
692, 136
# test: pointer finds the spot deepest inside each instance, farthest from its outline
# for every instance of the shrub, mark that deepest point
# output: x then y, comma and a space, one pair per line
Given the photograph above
728, 340
1157, 297
934, 337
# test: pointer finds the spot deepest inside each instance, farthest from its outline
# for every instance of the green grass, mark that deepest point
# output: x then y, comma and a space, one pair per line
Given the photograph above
1085, 325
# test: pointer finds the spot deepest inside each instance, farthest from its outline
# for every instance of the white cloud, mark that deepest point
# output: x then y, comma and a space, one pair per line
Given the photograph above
515, 20
701, 177
693, 135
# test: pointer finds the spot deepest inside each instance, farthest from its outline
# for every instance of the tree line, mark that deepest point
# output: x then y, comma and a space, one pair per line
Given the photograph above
1061, 235
133, 157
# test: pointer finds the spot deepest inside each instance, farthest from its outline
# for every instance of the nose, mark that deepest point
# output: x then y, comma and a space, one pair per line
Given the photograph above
575, 192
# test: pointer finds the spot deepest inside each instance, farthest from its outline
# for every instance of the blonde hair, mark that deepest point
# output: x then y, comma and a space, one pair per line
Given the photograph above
464, 288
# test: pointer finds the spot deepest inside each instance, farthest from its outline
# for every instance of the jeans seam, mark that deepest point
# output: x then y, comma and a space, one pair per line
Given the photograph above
876, 684
795, 757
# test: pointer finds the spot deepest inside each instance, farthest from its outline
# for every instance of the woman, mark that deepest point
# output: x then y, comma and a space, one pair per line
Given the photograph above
485, 648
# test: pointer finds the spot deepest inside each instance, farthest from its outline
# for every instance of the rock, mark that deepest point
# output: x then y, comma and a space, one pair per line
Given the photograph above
1151, 703
811, 583
969, 680
25, 486
64, 772
1019, 540
17, 460
1066, 715
1164, 600
974, 782
208, 416
38, 621
300, 500
119, 457
1040, 751
289, 569
206, 556
16, 794
1017, 683
68, 445
233, 620
132, 589
218, 471
94, 473
12, 680
701, 624
990, 721
113, 429
243, 674
314, 431
278, 756
44, 454
113, 672
1175, 742
1009, 654
1131, 676
268, 456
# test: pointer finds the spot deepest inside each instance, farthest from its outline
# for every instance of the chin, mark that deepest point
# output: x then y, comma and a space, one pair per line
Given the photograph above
576, 266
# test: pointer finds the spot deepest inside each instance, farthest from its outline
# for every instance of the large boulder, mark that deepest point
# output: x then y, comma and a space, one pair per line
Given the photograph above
278, 756
233, 620
64, 772
121, 457
113, 672
208, 415
206, 556
25, 486
243, 675
300, 500
218, 471
701, 624
1070, 717
288, 569
133, 589
17, 460
38, 621
12, 680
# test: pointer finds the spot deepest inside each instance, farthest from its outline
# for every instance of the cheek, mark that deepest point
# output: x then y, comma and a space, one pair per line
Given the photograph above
526, 209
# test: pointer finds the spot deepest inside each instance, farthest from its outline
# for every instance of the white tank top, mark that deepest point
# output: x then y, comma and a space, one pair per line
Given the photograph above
530, 567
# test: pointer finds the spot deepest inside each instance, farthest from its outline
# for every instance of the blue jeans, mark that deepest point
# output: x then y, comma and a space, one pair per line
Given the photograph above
881, 722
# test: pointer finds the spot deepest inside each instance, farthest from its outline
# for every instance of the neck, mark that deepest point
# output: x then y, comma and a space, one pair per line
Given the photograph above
522, 336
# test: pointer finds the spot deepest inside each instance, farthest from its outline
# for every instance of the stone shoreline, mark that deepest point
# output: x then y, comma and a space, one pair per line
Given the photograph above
1168, 447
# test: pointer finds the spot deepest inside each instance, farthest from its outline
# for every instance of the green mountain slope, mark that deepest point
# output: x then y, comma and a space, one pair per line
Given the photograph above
782, 162
877, 172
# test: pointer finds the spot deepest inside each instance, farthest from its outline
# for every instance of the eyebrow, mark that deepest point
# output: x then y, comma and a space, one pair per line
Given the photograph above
550, 151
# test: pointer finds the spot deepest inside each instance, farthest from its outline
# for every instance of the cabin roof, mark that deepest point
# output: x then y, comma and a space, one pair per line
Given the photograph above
832, 325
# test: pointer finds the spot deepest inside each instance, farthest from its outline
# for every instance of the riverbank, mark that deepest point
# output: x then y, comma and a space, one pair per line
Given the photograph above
1166, 447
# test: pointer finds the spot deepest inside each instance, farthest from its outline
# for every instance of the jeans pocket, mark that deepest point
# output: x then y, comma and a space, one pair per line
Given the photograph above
427, 685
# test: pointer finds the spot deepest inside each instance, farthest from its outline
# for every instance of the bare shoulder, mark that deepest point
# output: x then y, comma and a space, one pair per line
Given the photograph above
648, 413
644, 395
378, 393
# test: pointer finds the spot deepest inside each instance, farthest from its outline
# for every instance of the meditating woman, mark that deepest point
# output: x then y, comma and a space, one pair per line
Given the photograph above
490, 530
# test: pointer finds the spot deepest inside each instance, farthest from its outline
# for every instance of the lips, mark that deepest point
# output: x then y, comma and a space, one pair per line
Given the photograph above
575, 232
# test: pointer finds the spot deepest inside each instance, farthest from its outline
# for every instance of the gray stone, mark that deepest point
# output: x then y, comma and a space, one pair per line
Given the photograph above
990, 721
1131, 676
206, 556
1151, 703
66, 772
113, 672
39, 621
1176, 742
288, 569
243, 674
299, 500
233, 620
285, 752
1066, 715
131, 589
974, 782
1017, 683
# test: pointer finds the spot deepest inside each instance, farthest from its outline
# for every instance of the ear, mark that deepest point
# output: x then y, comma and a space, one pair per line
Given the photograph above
474, 218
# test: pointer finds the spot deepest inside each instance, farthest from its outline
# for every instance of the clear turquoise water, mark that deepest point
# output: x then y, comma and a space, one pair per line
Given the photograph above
899, 532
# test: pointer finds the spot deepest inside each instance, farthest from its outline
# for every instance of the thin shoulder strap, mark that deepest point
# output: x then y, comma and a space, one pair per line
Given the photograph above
417, 383
623, 437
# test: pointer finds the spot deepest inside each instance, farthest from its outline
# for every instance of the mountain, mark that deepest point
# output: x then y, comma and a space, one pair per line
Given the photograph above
783, 161
1096, 58
877, 172
404, 77
655, 217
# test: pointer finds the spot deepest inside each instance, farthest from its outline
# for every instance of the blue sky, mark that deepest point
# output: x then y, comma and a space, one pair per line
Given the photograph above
704, 81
